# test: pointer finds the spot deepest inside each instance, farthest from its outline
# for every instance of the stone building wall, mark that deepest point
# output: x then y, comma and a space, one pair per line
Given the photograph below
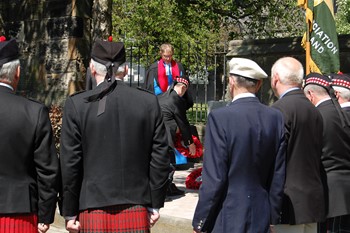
55, 39
266, 52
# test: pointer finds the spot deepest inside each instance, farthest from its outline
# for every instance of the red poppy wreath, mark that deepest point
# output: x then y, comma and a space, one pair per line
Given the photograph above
184, 150
194, 179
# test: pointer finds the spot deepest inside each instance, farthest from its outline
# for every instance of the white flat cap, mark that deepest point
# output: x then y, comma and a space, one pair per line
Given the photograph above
246, 68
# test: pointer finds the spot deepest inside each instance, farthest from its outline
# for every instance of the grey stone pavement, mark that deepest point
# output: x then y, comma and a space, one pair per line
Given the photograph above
175, 217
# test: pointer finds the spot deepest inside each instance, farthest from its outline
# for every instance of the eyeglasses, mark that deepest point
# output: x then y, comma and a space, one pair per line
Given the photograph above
167, 56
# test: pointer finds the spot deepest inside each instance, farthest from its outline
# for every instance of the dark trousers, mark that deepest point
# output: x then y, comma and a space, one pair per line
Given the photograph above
339, 224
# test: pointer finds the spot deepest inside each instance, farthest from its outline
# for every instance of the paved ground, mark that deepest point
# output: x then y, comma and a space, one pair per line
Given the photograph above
176, 216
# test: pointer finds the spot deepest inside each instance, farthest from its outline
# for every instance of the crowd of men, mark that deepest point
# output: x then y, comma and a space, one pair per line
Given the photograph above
281, 168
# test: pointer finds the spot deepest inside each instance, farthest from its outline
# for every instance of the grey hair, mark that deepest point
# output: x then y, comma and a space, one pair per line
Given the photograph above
102, 70
99, 67
289, 72
244, 82
343, 92
8, 70
318, 90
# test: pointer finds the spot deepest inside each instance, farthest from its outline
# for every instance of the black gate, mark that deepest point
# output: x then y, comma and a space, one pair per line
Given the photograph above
206, 69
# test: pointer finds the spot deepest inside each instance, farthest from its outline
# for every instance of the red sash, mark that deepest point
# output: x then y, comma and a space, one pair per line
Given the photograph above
163, 78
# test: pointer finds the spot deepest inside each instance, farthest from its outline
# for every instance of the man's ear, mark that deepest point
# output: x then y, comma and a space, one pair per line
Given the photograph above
92, 69
337, 94
274, 79
126, 69
258, 85
16, 78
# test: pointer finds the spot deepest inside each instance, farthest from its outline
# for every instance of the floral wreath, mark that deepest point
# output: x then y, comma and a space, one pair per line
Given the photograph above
184, 150
194, 179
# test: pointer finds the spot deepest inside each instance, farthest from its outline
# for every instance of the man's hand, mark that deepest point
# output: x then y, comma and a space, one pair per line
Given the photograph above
192, 149
73, 226
42, 227
153, 217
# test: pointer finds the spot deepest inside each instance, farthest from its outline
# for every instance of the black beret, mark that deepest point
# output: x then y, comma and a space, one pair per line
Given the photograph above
318, 79
8, 51
108, 52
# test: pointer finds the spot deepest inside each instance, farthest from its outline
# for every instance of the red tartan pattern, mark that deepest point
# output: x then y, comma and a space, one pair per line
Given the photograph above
115, 219
18, 223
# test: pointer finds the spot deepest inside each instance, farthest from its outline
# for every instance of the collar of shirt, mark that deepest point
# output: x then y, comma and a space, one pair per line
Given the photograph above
321, 101
167, 68
289, 90
346, 104
6, 85
99, 83
243, 95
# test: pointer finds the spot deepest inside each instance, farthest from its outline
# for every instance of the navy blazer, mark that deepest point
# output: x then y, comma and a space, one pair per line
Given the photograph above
243, 169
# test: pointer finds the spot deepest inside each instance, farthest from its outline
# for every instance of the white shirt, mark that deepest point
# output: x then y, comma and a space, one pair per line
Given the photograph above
321, 101
243, 95
346, 104
6, 85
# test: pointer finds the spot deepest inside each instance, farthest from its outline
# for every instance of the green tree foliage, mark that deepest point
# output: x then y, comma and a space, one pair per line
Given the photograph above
201, 24
342, 17
192, 20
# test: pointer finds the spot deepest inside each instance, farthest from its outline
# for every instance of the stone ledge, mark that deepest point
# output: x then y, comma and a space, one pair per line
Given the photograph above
170, 224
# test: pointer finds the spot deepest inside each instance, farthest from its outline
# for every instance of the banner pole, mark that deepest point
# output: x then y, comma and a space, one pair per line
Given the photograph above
307, 45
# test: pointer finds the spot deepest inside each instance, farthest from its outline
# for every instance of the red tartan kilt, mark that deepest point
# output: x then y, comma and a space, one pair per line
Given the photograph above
18, 223
115, 219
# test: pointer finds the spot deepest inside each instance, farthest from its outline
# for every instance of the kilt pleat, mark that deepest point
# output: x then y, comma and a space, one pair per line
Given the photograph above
18, 223
115, 219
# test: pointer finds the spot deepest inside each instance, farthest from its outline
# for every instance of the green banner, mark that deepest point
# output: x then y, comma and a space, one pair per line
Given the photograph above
324, 38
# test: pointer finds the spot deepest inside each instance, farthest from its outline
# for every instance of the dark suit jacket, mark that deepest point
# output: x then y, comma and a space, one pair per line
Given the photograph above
152, 76
118, 157
29, 167
243, 169
304, 200
174, 115
336, 159
347, 109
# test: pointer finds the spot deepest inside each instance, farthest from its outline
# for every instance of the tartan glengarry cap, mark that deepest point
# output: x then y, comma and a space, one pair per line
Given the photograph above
183, 80
108, 52
8, 51
246, 68
341, 80
318, 79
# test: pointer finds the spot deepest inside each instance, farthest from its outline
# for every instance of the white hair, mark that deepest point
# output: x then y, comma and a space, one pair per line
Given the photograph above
8, 70
289, 70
